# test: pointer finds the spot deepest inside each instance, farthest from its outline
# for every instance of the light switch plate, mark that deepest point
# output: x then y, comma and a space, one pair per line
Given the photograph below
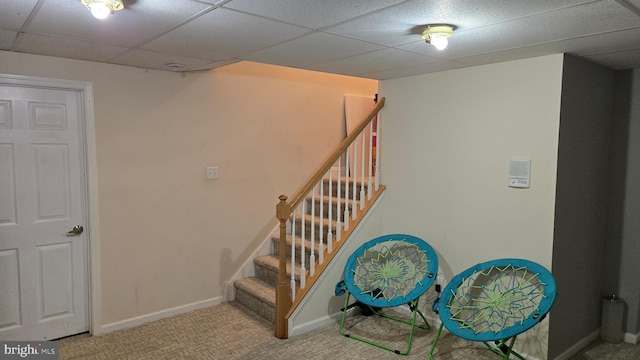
212, 172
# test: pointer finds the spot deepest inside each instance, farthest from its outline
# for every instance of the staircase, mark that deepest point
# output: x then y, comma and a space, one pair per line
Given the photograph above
258, 293
313, 225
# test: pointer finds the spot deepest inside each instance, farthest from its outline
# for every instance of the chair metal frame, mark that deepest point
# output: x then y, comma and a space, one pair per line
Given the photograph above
503, 310
382, 252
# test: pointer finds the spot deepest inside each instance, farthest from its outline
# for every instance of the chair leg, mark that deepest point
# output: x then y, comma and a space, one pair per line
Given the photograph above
435, 341
412, 323
505, 350
414, 308
344, 314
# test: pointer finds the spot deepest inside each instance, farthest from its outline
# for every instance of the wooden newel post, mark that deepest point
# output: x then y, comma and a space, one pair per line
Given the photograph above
283, 291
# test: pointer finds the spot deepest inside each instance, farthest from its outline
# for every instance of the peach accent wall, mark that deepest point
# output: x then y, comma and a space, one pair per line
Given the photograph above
168, 236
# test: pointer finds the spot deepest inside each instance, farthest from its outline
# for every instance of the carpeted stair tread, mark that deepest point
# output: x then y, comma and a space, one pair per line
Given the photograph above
258, 292
276, 241
316, 221
258, 288
272, 262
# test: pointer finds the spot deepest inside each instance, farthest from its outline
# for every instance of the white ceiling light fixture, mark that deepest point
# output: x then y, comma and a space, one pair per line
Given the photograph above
100, 9
438, 35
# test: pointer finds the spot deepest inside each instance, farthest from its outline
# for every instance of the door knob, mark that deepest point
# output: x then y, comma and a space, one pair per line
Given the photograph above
77, 230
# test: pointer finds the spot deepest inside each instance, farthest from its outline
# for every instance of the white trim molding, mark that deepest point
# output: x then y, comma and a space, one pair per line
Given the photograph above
158, 315
91, 172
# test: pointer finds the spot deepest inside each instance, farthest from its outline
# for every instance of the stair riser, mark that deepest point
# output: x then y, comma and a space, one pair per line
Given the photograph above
334, 189
325, 205
307, 251
269, 275
261, 308
318, 229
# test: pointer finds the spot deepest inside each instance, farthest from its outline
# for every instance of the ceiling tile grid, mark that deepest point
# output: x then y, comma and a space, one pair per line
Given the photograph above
15, 12
138, 23
377, 39
312, 49
223, 34
313, 14
65, 47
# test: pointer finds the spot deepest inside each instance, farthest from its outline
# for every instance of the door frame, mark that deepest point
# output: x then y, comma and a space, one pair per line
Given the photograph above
88, 141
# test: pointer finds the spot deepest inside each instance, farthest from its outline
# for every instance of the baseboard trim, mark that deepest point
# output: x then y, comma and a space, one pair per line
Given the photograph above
632, 338
434, 322
317, 323
326, 318
578, 346
158, 315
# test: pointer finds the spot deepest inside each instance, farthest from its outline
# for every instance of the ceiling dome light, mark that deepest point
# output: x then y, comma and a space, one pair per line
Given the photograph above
100, 9
438, 35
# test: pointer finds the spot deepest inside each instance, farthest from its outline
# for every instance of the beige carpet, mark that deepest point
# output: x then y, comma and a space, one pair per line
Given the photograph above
601, 350
226, 331
230, 331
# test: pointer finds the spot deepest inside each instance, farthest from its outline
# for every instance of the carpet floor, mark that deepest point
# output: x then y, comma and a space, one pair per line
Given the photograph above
230, 331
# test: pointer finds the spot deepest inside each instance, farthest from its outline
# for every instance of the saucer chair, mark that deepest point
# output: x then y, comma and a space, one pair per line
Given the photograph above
495, 301
388, 271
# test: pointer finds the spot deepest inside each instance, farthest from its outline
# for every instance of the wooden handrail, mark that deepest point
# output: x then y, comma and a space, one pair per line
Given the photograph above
284, 302
296, 200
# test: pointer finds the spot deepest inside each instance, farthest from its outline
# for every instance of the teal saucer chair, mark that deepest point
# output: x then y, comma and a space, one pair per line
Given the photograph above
386, 272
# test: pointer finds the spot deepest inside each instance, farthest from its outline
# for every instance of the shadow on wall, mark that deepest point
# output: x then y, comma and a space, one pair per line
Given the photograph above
226, 265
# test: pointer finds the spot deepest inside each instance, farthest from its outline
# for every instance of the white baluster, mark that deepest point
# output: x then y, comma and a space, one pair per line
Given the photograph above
362, 174
346, 192
354, 177
303, 259
369, 188
321, 236
378, 117
339, 204
312, 258
293, 253
330, 215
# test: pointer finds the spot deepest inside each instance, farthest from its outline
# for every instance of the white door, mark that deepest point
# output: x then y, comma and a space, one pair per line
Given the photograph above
43, 269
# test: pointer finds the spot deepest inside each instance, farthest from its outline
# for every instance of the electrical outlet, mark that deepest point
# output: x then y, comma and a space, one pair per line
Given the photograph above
212, 172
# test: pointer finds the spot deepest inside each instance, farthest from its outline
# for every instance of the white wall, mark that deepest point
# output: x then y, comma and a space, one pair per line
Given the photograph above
321, 306
447, 139
168, 237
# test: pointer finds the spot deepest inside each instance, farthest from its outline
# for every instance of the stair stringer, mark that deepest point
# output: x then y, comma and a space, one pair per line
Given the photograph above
320, 306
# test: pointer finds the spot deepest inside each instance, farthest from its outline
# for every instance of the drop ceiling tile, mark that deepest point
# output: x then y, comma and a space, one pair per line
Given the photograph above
6, 39
619, 59
311, 49
138, 22
635, 3
211, 65
310, 13
600, 43
224, 34
151, 60
63, 47
590, 19
415, 70
507, 55
373, 62
604, 47
211, 33
403, 23
15, 12
214, 2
